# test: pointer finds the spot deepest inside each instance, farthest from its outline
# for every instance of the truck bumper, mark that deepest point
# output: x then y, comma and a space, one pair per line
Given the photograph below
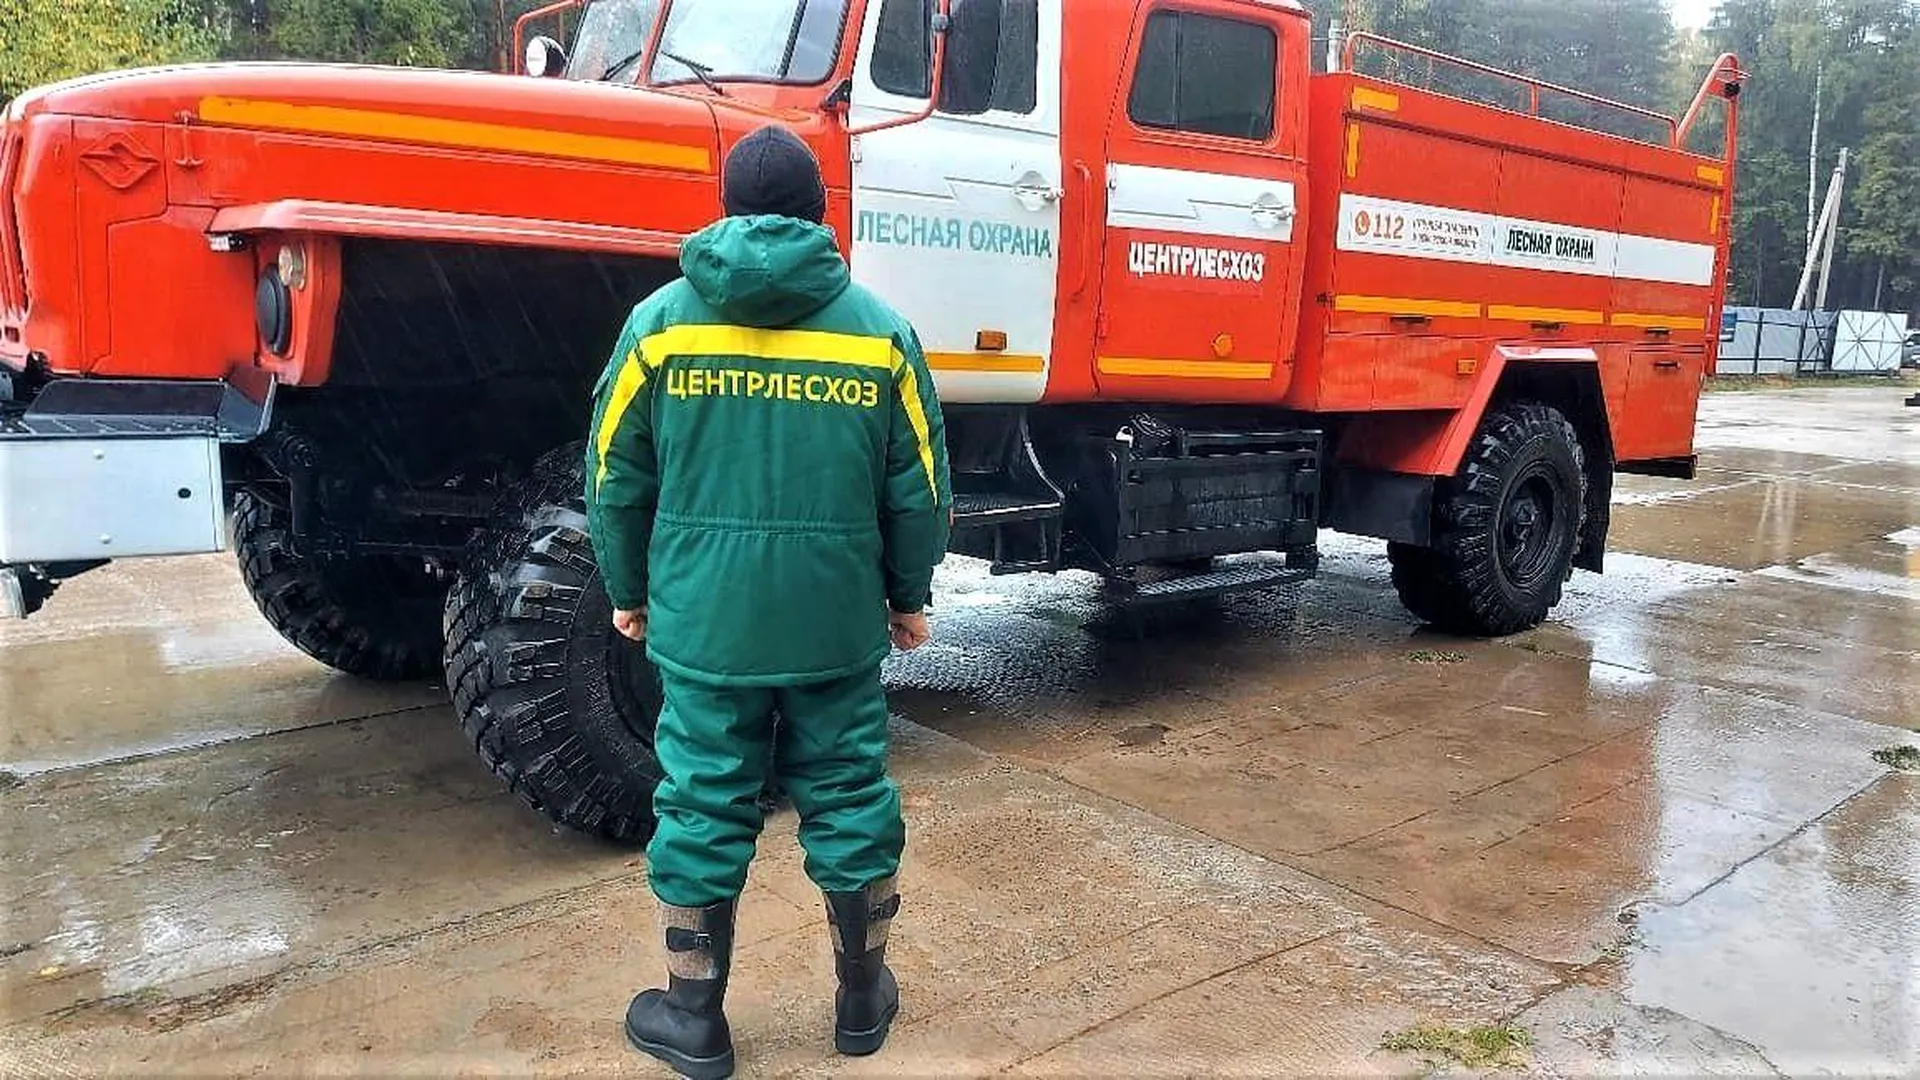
93, 471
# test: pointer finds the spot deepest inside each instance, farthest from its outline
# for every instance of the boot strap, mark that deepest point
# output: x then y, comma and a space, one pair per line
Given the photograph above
681, 940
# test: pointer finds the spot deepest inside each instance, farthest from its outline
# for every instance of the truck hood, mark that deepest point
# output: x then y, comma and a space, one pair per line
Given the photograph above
255, 94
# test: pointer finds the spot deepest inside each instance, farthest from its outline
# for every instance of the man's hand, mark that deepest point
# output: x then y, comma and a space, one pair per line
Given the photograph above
908, 632
631, 624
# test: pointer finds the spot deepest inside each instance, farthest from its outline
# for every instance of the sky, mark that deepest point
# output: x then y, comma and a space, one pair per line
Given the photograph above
1692, 14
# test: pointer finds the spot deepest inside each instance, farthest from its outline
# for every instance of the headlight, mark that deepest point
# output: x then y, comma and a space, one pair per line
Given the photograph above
273, 311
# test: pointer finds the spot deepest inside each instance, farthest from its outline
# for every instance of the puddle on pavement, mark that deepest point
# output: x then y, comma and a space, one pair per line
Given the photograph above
72, 703
1807, 952
1752, 523
150, 656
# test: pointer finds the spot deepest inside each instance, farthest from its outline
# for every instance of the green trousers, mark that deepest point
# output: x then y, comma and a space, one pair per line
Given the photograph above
831, 761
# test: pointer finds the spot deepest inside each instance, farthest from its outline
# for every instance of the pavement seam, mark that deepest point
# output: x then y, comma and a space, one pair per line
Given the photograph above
348, 959
1339, 888
1164, 995
1568, 756
212, 742
1796, 833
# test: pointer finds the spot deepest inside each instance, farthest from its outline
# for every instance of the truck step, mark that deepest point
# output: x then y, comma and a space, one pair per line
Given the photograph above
1239, 577
986, 509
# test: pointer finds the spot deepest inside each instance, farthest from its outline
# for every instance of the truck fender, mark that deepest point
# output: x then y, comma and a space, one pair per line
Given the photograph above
1392, 460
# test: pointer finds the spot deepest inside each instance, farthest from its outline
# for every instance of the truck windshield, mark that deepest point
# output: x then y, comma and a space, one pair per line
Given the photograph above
776, 41
612, 35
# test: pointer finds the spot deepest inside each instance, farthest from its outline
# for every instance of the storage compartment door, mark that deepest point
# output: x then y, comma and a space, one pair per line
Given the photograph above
1663, 395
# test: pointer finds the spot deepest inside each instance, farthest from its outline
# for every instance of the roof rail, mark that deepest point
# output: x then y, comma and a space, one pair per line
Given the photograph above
1533, 86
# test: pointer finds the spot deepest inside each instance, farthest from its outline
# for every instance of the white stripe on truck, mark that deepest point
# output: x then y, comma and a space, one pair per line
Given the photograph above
1199, 203
1417, 230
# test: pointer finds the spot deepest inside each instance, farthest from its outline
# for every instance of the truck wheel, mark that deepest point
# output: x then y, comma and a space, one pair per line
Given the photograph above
1504, 527
375, 616
557, 704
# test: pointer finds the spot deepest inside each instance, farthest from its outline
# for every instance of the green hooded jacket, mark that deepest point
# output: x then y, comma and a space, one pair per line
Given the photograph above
767, 466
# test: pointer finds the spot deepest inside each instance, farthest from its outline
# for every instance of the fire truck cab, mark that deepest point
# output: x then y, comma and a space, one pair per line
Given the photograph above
1183, 297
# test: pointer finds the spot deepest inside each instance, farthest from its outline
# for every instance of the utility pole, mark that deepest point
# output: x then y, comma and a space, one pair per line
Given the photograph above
1820, 243
1813, 149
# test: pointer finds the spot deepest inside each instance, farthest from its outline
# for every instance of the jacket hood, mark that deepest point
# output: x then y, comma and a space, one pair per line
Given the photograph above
764, 271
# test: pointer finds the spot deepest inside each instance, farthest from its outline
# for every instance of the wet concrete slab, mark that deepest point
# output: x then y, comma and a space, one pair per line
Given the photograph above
1755, 522
1845, 1003
1247, 837
157, 655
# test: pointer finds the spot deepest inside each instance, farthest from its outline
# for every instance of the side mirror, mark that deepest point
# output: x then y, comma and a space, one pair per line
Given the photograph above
545, 57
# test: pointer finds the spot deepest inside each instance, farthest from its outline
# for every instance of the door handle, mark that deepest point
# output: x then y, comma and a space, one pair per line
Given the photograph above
1270, 213
1035, 191
1036, 196
1668, 365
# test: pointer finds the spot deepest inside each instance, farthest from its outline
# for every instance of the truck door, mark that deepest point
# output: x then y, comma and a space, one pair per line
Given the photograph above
956, 220
1200, 281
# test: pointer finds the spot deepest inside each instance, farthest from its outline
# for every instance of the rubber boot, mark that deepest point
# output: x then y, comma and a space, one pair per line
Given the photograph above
868, 998
683, 1025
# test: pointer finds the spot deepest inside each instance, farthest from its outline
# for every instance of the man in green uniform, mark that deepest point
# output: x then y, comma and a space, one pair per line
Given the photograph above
768, 493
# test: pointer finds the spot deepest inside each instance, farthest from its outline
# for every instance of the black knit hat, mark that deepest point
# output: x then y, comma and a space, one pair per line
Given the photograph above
772, 172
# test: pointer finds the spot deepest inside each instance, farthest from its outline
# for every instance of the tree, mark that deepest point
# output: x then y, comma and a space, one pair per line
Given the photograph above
1865, 58
410, 33
48, 40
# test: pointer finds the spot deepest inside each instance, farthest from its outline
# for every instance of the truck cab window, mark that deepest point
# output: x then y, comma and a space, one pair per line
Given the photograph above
1205, 74
993, 57
993, 54
903, 47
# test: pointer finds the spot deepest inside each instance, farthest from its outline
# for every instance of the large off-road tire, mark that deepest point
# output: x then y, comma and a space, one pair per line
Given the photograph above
374, 616
1504, 528
557, 704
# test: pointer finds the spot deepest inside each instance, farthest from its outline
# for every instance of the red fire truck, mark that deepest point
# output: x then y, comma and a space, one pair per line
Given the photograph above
1184, 298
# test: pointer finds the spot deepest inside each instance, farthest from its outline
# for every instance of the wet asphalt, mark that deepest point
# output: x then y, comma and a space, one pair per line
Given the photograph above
1668, 832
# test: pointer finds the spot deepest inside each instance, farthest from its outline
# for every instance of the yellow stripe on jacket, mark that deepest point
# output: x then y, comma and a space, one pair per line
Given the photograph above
917, 416
626, 386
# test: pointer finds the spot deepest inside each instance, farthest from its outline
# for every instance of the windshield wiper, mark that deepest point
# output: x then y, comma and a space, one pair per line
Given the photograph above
701, 71
620, 65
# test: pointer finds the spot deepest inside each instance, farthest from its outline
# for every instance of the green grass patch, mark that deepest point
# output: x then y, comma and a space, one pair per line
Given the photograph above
1486, 1046
1904, 758
1749, 383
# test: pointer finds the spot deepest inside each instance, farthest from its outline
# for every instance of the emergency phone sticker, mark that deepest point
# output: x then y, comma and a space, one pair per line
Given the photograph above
1404, 229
